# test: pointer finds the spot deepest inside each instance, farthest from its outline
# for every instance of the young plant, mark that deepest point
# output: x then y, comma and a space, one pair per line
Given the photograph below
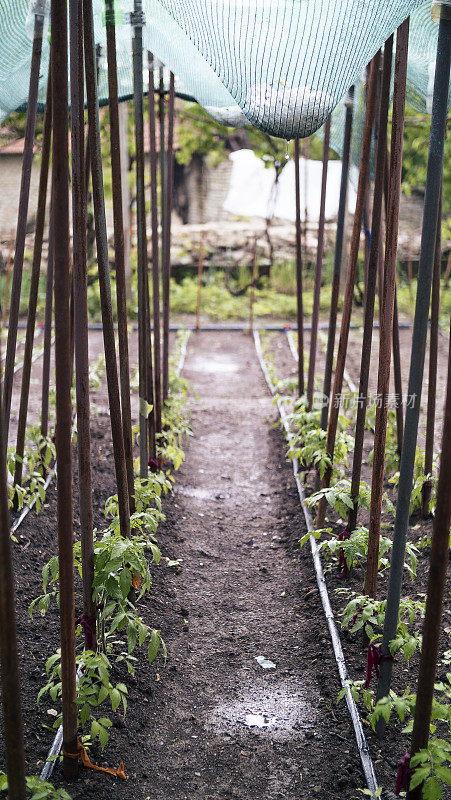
363, 612
39, 789
93, 689
339, 498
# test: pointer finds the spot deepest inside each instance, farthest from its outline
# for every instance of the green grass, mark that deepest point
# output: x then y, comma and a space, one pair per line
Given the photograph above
275, 296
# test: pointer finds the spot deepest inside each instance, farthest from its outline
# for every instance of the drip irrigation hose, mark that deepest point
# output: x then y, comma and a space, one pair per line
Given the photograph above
97, 326
351, 385
35, 358
56, 745
362, 745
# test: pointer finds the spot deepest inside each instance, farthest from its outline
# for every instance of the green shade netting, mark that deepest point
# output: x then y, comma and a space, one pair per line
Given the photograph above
281, 65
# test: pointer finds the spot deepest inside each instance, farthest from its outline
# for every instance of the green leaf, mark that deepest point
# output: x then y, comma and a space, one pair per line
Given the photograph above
103, 737
115, 699
432, 789
153, 645
95, 729
142, 633
132, 635
103, 694
85, 713
125, 582
104, 674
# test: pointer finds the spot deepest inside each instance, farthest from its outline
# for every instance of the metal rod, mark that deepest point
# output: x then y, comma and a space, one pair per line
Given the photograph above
397, 377
438, 561
433, 360
199, 278
22, 221
104, 270
252, 289
119, 247
373, 261
34, 285
155, 247
299, 297
350, 277
149, 365
337, 257
48, 321
80, 305
167, 186
428, 237
386, 332
140, 227
63, 381
7, 276
318, 267
11, 695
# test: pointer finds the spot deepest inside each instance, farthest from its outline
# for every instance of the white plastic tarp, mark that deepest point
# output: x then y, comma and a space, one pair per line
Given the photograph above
251, 191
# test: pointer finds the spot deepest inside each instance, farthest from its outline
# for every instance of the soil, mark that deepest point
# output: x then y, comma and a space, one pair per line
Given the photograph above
387, 753
243, 590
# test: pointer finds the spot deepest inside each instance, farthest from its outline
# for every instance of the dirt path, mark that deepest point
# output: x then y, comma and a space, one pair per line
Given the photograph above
244, 591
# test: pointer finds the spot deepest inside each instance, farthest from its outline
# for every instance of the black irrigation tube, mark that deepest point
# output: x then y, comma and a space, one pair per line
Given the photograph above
97, 326
364, 752
55, 748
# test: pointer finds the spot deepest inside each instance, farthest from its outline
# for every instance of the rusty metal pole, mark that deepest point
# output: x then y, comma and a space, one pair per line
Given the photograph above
155, 247
397, 377
137, 22
432, 626
433, 359
7, 276
149, 356
299, 296
21, 230
34, 285
373, 261
252, 289
80, 304
60, 101
12, 706
349, 103
428, 238
199, 279
350, 278
386, 331
119, 247
104, 271
318, 268
168, 185
48, 322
